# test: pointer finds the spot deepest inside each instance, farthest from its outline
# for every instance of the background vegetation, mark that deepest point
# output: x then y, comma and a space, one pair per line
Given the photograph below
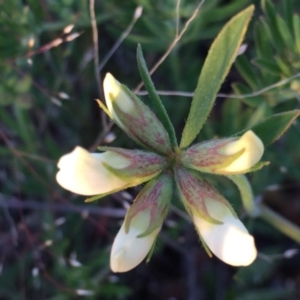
53, 246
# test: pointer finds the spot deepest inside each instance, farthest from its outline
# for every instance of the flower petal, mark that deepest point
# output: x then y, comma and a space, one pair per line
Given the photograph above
90, 174
224, 156
253, 151
83, 173
114, 92
215, 220
142, 224
128, 250
229, 241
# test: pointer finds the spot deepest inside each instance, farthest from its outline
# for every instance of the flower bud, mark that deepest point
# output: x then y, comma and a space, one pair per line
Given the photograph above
216, 223
225, 156
134, 117
142, 224
229, 241
89, 174
128, 249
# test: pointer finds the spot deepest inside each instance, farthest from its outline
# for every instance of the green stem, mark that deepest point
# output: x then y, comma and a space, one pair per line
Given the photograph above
157, 103
247, 196
279, 222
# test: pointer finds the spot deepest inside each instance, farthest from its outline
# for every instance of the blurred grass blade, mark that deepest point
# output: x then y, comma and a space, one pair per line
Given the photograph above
284, 66
271, 14
246, 70
288, 14
216, 66
268, 66
240, 89
260, 113
158, 105
286, 33
285, 226
262, 44
272, 128
296, 22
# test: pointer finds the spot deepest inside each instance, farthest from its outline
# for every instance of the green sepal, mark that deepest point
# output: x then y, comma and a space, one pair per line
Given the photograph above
149, 256
143, 126
100, 196
143, 165
258, 166
103, 107
156, 223
194, 191
200, 155
154, 199
206, 248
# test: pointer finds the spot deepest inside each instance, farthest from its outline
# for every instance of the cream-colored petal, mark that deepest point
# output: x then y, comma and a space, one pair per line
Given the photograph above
114, 93
83, 173
253, 151
128, 250
229, 241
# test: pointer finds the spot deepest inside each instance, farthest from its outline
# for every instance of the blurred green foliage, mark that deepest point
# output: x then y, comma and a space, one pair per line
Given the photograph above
52, 247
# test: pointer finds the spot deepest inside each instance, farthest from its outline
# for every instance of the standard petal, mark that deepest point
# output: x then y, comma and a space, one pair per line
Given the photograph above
134, 117
128, 249
224, 156
229, 241
83, 173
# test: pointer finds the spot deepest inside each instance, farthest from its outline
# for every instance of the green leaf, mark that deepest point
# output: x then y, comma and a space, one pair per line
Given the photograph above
284, 66
240, 88
158, 106
229, 123
267, 65
288, 14
262, 44
216, 66
261, 112
272, 128
286, 34
245, 69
